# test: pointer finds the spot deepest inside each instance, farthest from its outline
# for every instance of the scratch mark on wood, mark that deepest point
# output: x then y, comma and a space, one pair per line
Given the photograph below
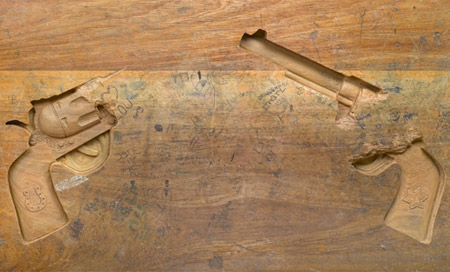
232, 156
313, 35
362, 25
70, 183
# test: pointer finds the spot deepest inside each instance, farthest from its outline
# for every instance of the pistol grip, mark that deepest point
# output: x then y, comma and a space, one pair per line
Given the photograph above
417, 201
414, 209
37, 205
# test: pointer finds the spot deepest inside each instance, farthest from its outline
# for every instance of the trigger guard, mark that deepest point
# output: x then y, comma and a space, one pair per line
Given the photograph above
374, 165
81, 162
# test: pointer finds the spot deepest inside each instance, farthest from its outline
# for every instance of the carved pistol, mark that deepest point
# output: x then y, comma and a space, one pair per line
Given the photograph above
349, 91
61, 128
414, 209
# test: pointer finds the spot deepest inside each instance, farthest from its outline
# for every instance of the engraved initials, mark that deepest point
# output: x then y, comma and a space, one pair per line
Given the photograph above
31, 205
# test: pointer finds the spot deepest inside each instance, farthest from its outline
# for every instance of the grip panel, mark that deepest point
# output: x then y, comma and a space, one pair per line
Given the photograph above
414, 209
37, 205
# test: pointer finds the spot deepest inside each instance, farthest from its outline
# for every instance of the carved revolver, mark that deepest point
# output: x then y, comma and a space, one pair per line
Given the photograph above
349, 91
61, 128
414, 209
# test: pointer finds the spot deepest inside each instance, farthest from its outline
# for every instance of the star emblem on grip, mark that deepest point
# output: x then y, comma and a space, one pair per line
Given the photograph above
415, 198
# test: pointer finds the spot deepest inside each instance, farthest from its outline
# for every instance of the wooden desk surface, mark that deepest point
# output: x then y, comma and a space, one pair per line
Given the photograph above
203, 35
201, 176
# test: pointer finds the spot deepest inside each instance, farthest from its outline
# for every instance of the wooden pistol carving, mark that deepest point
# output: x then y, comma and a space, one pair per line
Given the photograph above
414, 209
349, 91
59, 126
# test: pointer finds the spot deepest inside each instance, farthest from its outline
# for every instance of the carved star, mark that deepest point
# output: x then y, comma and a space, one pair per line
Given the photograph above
415, 198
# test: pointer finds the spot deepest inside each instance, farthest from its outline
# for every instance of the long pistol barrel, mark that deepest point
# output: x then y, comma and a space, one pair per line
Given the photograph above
307, 72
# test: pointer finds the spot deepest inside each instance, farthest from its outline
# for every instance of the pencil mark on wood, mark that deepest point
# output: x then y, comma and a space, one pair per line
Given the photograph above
13, 99
273, 94
444, 121
123, 108
166, 189
312, 36
131, 135
361, 17
216, 262
129, 163
221, 218
76, 228
265, 150
139, 110
193, 141
111, 94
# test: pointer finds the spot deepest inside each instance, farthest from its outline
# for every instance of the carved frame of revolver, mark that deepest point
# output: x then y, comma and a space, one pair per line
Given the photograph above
59, 126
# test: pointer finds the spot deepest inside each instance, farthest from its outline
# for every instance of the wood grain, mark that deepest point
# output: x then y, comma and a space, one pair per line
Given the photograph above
199, 35
202, 177
204, 174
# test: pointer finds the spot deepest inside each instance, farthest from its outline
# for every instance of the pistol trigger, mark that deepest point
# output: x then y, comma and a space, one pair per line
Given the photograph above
88, 151
20, 124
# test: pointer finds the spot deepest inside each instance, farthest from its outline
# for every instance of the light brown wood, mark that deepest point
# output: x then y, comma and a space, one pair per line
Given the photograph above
202, 177
206, 171
187, 35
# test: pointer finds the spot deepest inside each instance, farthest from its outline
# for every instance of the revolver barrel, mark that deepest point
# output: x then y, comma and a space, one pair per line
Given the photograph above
308, 72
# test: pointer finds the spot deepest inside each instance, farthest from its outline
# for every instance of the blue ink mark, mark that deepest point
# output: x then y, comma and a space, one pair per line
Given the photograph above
361, 125
395, 89
395, 116
130, 96
362, 210
409, 116
138, 85
362, 117
117, 136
